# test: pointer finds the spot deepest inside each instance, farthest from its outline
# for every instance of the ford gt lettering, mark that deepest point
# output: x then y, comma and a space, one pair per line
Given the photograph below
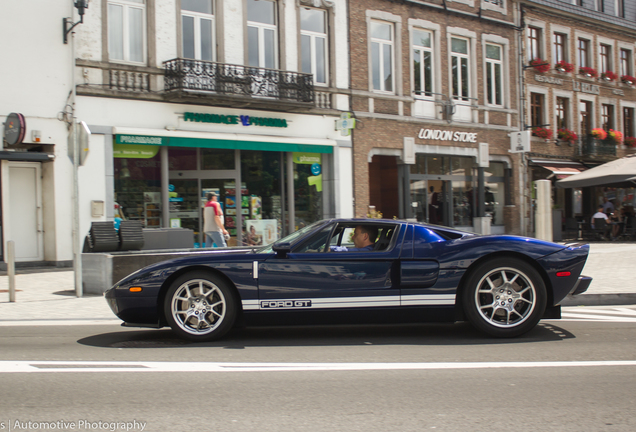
285, 304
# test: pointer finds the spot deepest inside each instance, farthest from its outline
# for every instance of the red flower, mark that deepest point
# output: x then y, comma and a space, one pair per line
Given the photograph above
541, 132
628, 79
588, 71
609, 76
540, 65
563, 66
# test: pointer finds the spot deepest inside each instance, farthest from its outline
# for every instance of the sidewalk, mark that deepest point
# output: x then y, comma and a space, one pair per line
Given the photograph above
50, 295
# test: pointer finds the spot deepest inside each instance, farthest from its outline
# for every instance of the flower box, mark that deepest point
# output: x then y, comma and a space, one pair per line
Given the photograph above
609, 76
616, 136
564, 67
599, 133
588, 72
567, 135
630, 142
628, 79
541, 132
540, 65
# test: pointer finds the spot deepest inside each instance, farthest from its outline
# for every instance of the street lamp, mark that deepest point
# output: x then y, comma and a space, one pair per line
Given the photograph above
81, 6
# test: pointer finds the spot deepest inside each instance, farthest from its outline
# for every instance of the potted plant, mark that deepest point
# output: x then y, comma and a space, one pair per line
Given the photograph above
609, 76
567, 135
630, 142
564, 67
588, 72
599, 133
540, 65
628, 79
616, 136
542, 132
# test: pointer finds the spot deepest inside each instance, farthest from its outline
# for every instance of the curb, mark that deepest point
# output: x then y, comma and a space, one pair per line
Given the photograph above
600, 300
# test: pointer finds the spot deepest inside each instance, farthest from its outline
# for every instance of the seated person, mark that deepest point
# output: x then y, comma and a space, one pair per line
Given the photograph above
599, 215
363, 239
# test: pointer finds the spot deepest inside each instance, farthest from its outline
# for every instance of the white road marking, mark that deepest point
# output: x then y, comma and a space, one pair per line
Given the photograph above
600, 314
60, 322
101, 366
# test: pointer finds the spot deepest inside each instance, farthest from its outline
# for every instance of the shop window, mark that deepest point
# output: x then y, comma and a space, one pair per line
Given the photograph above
262, 34
313, 44
217, 159
138, 189
605, 55
422, 63
534, 43
626, 62
127, 31
584, 53
494, 192
182, 159
438, 165
382, 56
197, 26
494, 72
460, 69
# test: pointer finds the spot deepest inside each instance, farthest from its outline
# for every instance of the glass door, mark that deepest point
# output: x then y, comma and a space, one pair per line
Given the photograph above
227, 198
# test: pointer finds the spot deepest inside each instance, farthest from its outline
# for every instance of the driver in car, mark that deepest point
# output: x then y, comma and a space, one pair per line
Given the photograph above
363, 239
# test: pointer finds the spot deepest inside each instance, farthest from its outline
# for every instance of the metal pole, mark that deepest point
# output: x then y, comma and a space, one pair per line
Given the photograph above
77, 250
290, 192
165, 184
11, 269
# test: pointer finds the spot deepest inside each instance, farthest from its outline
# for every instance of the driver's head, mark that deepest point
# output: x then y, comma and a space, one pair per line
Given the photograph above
364, 236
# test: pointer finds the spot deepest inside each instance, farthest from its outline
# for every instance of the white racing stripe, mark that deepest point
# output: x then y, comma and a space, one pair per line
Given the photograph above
60, 322
354, 302
100, 366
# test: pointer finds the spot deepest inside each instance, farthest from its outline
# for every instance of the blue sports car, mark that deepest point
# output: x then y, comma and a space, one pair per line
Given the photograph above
410, 272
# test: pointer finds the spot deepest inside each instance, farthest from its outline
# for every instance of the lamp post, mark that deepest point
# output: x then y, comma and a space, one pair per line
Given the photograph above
81, 6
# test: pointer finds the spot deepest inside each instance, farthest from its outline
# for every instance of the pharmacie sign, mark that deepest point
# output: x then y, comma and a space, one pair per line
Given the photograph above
447, 135
245, 120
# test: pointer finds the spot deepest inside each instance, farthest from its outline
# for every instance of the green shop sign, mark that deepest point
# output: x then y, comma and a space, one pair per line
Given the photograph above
245, 120
134, 151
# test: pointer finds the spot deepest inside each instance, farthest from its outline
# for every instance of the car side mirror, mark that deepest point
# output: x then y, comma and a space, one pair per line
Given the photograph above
281, 249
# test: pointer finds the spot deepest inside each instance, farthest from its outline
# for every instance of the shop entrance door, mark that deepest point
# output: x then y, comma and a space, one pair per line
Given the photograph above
24, 211
187, 199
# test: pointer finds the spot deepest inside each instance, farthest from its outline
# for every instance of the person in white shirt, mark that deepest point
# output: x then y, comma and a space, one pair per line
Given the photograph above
599, 215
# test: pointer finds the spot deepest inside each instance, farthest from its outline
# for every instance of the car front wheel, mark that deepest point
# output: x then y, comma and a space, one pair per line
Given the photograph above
200, 306
504, 297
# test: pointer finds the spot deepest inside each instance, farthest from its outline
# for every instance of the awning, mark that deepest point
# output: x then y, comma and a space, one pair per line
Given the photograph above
222, 140
560, 168
26, 156
617, 173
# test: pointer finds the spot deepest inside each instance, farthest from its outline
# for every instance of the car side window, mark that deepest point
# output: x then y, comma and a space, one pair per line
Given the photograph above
316, 243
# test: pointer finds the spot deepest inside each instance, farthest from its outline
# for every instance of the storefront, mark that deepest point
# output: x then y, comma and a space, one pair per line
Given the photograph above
263, 182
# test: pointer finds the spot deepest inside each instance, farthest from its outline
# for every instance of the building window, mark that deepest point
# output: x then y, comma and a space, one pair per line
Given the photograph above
586, 115
536, 109
607, 117
584, 53
460, 68
127, 31
382, 56
494, 71
262, 37
197, 24
620, 8
534, 43
626, 62
605, 54
422, 63
628, 122
313, 44
561, 110
559, 47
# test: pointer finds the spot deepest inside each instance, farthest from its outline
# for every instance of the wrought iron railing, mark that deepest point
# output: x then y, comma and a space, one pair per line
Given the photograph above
236, 80
593, 147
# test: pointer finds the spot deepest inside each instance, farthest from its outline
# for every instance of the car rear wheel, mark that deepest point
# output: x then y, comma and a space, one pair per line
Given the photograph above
504, 297
200, 306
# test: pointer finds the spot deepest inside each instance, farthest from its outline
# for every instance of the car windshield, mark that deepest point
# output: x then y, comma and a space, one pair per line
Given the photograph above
292, 237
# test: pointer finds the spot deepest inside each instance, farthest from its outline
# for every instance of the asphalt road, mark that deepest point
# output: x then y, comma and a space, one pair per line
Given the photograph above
578, 374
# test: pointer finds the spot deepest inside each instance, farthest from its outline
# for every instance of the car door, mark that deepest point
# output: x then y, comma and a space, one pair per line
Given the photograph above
306, 278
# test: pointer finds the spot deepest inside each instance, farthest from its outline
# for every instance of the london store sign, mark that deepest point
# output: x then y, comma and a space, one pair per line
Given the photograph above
245, 120
447, 135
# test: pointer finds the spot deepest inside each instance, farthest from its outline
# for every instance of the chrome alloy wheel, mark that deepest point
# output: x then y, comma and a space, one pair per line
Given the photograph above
505, 297
198, 306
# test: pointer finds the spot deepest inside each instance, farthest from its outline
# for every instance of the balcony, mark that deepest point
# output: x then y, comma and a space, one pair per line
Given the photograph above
202, 82
590, 148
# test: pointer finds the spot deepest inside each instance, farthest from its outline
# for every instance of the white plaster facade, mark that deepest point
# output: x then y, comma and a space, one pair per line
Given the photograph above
38, 80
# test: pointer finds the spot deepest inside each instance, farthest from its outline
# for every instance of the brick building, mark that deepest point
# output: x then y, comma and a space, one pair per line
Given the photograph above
435, 94
582, 80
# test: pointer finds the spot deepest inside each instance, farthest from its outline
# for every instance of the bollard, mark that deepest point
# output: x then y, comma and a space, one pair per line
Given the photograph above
11, 269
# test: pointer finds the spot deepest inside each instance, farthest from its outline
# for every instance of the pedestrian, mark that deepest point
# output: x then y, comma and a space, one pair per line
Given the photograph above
213, 223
